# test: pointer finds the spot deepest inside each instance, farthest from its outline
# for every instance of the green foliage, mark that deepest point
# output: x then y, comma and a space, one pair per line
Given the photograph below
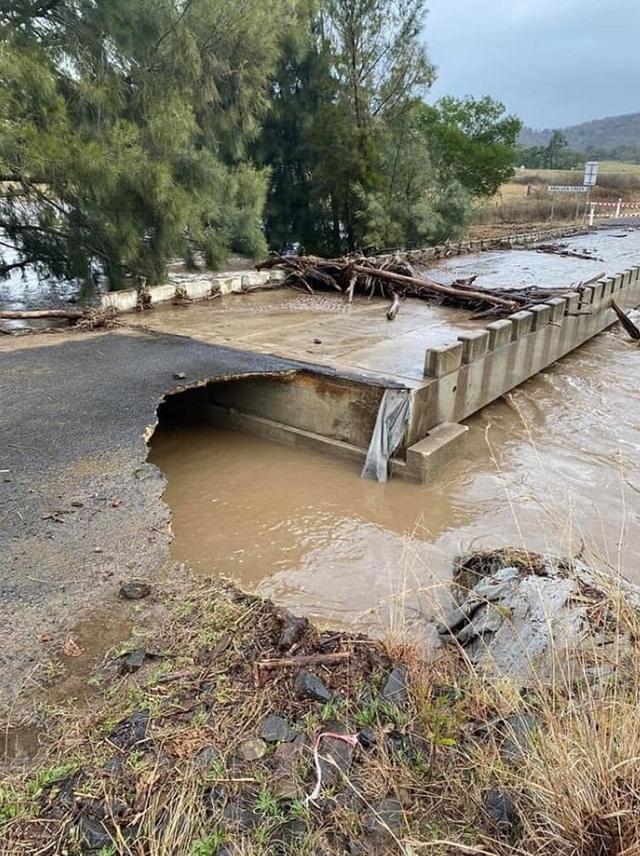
124, 127
473, 142
341, 96
135, 131
268, 805
358, 159
210, 845
555, 155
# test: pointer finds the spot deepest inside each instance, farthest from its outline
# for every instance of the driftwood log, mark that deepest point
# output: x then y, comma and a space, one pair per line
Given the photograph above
626, 322
81, 319
33, 314
395, 280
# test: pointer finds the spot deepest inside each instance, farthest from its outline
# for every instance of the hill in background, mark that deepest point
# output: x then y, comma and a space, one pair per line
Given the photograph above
601, 136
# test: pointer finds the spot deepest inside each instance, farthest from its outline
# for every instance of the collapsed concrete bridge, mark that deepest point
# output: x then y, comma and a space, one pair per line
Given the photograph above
448, 366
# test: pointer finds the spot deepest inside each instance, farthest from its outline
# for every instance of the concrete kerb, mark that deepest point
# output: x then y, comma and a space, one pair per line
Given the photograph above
474, 345
500, 333
558, 308
522, 324
443, 360
197, 289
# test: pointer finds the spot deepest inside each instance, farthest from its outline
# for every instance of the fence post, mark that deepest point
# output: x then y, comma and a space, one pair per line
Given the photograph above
618, 207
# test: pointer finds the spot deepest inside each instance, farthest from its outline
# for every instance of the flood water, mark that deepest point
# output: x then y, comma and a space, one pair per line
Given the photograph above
553, 466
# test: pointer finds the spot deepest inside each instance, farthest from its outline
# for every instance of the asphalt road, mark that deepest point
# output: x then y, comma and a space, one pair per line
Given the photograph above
80, 509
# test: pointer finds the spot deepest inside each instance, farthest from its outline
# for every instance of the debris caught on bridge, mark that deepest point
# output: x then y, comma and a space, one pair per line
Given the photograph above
82, 319
395, 279
563, 250
626, 322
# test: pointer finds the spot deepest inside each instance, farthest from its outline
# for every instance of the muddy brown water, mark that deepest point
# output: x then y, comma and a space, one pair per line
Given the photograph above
553, 466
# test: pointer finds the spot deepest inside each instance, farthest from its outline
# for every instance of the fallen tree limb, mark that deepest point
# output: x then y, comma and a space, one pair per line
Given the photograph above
394, 279
431, 285
81, 319
395, 307
626, 322
303, 660
27, 314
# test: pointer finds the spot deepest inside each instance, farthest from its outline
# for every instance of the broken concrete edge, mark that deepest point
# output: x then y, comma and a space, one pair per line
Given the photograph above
445, 359
237, 283
199, 289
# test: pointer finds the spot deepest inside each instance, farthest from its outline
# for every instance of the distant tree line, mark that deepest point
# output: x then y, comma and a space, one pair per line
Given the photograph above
555, 155
135, 131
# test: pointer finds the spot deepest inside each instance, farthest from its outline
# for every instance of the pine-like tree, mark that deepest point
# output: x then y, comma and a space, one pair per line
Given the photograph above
124, 128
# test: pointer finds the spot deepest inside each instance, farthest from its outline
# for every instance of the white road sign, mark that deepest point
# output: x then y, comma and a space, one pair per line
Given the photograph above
566, 188
591, 174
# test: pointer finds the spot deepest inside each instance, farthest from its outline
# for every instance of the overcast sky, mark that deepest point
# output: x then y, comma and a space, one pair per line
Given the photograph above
553, 62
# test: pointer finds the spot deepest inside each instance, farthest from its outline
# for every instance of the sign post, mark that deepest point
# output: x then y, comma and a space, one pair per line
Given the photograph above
590, 180
591, 174
565, 188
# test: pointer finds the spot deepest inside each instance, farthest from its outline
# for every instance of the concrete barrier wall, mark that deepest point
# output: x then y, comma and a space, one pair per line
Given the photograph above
236, 283
505, 242
192, 289
482, 365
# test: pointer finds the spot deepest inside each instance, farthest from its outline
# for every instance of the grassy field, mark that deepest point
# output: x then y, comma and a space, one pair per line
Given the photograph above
524, 199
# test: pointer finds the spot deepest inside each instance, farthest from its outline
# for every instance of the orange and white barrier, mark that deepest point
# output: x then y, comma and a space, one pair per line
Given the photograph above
618, 206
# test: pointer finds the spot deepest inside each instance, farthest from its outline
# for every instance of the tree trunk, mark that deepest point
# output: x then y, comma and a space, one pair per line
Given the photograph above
26, 314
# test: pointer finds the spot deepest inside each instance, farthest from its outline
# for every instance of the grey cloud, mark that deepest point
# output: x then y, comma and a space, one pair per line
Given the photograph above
552, 62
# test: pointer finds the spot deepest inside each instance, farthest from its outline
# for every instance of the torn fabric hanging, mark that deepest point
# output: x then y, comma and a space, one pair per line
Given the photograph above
390, 427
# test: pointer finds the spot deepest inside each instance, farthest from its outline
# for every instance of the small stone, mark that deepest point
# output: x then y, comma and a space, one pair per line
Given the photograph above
350, 800
275, 729
500, 809
285, 787
308, 686
76, 503
133, 661
336, 757
135, 590
519, 731
367, 737
292, 629
317, 341
179, 375
252, 749
288, 836
387, 815
395, 689
287, 754
205, 758
240, 815
131, 730
93, 833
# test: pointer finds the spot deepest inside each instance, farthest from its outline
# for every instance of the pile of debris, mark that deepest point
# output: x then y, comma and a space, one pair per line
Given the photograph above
395, 279
533, 618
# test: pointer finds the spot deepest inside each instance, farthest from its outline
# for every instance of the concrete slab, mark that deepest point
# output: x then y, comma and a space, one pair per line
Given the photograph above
323, 329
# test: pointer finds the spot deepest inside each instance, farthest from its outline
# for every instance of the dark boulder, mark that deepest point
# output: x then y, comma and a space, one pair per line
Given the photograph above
308, 686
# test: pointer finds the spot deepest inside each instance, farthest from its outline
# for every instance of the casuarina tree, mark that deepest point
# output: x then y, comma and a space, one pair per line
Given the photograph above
124, 127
